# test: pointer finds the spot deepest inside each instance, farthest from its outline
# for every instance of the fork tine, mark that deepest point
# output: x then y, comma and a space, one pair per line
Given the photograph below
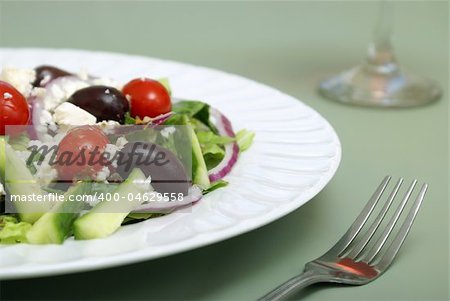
389, 227
396, 244
357, 225
356, 250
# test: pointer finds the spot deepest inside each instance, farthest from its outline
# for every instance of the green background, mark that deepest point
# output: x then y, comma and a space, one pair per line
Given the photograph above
291, 46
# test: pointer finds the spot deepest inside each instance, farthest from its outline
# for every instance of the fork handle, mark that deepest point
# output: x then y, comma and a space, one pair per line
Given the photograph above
293, 285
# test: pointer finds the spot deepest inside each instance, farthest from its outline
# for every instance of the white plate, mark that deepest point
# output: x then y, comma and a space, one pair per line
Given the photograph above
295, 154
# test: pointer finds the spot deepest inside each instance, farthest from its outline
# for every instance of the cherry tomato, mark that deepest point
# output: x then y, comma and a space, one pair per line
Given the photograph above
80, 153
13, 107
147, 97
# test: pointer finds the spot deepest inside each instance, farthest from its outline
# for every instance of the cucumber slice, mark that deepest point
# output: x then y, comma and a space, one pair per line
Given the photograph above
104, 219
55, 226
18, 175
199, 169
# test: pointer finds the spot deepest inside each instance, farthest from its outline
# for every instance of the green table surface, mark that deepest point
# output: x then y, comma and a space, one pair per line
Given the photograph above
290, 46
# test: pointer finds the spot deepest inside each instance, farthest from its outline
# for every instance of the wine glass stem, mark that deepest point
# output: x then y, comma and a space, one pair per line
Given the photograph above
380, 53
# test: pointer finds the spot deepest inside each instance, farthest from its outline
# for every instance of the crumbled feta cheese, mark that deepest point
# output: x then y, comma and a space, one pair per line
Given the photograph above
21, 79
45, 173
103, 174
53, 127
168, 130
69, 114
42, 120
45, 117
121, 141
38, 92
2, 190
60, 90
112, 149
108, 126
107, 123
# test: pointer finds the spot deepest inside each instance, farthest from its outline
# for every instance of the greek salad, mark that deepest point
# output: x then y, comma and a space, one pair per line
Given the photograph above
78, 113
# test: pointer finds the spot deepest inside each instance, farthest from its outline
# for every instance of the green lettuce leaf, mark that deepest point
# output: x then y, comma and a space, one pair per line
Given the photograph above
215, 185
129, 119
4, 219
208, 138
213, 155
244, 139
12, 231
189, 107
195, 110
212, 147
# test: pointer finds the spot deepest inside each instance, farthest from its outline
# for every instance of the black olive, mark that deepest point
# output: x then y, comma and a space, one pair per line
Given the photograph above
167, 173
105, 103
47, 73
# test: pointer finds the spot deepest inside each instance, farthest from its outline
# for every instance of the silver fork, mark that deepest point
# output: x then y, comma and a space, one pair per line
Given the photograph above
351, 260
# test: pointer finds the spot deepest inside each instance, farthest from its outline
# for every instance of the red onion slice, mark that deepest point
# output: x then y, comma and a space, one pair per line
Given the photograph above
194, 195
224, 128
32, 104
37, 129
161, 118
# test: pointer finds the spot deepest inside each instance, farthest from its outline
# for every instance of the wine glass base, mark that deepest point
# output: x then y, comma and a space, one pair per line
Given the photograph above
365, 87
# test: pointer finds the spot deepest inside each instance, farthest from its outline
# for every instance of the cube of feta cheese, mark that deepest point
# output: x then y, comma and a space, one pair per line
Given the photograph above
21, 79
69, 114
